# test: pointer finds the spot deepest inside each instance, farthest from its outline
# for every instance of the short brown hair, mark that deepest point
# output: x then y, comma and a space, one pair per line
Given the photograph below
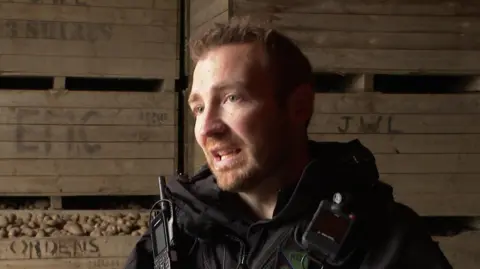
289, 66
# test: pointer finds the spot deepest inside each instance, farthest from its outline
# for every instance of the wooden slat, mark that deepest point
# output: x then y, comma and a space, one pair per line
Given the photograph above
25, 213
49, 134
381, 40
115, 33
428, 163
437, 194
67, 263
81, 167
67, 247
80, 13
84, 49
380, 7
219, 18
81, 66
395, 124
86, 99
447, 205
78, 185
203, 11
144, 4
462, 250
394, 61
410, 143
371, 23
397, 103
81, 116
86, 150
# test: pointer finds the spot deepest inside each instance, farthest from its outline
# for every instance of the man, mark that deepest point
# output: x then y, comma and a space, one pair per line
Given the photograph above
252, 99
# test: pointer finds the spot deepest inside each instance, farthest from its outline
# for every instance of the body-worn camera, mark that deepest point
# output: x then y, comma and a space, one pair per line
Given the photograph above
328, 233
162, 232
344, 224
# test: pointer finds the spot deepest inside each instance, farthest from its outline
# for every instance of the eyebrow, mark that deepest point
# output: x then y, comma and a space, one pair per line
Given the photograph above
220, 87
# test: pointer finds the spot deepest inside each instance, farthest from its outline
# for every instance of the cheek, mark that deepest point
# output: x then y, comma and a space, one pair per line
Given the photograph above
250, 126
196, 132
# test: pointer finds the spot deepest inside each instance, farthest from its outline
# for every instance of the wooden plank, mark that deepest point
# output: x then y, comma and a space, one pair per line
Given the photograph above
394, 61
44, 135
378, 7
86, 99
82, 116
462, 250
86, 150
78, 185
55, 202
439, 184
81, 66
81, 167
437, 194
395, 124
73, 247
67, 263
382, 40
80, 13
99, 49
447, 205
143, 214
220, 18
204, 11
397, 103
369, 23
410, 143
428, 163
65, 31
144, 4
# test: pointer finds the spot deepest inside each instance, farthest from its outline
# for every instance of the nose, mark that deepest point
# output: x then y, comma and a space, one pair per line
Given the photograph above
210, 124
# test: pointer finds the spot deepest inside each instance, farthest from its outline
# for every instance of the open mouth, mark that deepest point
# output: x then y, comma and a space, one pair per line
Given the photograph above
221, 155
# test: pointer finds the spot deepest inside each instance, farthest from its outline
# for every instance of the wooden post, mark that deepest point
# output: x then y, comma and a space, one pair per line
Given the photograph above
360, 83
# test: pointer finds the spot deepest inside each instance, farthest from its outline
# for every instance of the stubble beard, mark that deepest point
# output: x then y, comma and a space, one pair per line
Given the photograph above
252, 169
239, 177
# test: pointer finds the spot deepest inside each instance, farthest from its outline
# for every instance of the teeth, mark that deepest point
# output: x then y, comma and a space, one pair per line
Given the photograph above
226, 154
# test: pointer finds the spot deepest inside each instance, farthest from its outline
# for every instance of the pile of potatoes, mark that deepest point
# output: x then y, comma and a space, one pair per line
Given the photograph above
51, 225
43, 204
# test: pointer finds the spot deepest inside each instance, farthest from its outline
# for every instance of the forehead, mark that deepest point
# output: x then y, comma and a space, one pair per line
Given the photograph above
232, 64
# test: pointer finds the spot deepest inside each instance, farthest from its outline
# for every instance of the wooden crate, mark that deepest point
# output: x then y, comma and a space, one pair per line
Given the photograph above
116, 38
67, 251
426, 145
377, 36
69, 143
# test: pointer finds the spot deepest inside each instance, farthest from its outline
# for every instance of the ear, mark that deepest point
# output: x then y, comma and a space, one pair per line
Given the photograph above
301, 102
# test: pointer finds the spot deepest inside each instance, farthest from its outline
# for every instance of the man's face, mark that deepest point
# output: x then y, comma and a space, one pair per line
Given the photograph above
240, 125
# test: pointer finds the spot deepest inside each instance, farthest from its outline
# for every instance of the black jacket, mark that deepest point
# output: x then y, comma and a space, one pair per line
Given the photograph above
218, 232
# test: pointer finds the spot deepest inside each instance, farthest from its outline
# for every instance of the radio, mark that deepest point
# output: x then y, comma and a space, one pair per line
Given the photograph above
162, 231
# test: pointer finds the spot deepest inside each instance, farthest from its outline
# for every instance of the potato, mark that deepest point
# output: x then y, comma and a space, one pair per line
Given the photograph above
3, 233
28, 232
3, 221
73, 228
40, 234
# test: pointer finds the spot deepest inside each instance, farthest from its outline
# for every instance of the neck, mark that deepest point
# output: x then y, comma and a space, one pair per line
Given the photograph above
263, 199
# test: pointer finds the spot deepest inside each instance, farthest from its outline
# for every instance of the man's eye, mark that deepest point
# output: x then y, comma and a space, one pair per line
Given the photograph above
197, 110
233, 98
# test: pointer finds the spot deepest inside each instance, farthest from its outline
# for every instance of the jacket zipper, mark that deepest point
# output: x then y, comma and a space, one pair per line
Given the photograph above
242, 259
268, 251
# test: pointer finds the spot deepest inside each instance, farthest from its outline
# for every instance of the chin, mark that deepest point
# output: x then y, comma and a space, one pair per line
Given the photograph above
236, 180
